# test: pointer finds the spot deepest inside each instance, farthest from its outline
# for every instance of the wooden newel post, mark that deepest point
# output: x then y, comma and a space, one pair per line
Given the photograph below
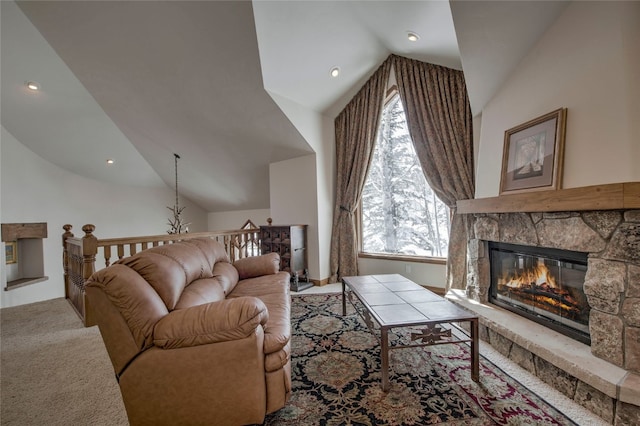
89, 251
65, 257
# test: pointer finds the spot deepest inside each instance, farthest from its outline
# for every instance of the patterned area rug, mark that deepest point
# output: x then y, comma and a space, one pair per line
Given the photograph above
336, 379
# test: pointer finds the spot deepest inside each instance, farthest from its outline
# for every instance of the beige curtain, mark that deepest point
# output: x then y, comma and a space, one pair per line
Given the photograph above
356, 128
439, 117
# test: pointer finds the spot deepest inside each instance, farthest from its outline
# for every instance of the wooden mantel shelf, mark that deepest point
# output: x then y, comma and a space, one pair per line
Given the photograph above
615, 196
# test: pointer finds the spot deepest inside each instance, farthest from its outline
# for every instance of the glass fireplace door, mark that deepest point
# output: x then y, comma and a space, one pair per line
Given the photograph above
542, 284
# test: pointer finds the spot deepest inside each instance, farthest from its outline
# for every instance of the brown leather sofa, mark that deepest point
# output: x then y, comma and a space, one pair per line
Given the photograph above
193, 338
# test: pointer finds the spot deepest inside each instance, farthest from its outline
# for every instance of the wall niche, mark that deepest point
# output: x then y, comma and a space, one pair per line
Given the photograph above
24, 253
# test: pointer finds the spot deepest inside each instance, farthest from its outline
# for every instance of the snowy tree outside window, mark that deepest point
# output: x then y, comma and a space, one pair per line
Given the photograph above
400, 212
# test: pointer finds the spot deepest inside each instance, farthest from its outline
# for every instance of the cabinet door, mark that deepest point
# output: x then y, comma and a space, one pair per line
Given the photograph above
265, 239
290, 243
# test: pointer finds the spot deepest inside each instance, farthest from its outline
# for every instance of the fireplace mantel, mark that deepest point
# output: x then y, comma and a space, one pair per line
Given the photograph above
614, 196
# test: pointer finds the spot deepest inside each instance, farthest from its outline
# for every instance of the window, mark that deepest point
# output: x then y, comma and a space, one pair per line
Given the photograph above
400, 213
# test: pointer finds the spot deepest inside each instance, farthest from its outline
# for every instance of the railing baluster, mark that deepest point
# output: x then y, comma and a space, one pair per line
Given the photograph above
107, 256
65, 258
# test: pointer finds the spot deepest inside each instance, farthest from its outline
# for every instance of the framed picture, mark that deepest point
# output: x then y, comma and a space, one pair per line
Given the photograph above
11, 252
533, 154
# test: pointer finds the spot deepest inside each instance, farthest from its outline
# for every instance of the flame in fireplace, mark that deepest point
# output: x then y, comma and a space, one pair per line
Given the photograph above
544, 285
537, 281
539, 276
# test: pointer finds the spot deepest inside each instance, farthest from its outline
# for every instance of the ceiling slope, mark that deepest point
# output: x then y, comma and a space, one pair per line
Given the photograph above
301, 41
138, 81
62, 123
179, 77
494, 36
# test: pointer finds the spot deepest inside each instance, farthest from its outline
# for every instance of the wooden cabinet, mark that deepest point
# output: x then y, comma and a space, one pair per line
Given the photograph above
290, 242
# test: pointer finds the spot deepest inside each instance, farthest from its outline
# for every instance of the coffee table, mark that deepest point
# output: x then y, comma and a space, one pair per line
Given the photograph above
393, 301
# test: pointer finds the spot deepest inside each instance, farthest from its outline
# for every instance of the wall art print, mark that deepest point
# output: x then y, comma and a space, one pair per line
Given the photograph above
533, 154
11, 252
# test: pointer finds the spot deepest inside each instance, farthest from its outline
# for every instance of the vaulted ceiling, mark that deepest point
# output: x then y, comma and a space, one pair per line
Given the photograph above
140, 81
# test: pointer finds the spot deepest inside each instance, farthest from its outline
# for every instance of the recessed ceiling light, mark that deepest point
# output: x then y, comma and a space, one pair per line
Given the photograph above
335, 71
412, 36
110, 161
33, 86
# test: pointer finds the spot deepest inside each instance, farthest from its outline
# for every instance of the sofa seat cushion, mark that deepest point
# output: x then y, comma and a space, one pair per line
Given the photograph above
277, 330
263, 285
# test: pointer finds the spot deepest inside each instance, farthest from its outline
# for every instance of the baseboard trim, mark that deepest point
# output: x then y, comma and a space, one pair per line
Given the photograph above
320, 283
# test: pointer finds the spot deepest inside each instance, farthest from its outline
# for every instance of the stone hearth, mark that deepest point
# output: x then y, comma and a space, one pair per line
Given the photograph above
605, 377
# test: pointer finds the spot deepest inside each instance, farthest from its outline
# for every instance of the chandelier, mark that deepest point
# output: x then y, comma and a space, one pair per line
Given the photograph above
177, 226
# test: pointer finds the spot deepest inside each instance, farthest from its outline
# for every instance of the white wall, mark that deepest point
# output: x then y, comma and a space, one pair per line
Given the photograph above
589, 62
293, 201
221, 221
427, 274
35, 190
318, 131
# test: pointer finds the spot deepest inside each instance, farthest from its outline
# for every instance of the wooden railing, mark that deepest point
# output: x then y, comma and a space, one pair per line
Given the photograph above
79, 255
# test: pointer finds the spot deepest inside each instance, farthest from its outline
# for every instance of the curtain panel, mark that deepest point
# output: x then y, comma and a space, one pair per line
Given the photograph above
439, 118
356, 127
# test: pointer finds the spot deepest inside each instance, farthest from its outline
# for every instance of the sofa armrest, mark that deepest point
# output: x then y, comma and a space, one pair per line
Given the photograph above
230, 319
256, 266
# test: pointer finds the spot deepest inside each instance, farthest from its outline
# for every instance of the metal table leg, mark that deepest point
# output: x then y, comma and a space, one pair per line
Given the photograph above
475, 351
384, 355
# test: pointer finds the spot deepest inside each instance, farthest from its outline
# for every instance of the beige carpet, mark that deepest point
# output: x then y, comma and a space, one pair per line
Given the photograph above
54, 371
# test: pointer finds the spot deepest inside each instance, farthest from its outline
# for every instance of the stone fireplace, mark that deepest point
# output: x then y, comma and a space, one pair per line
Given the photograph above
605, 375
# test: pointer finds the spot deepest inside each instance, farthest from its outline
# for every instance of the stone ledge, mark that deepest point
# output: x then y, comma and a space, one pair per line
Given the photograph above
630, 389
565, 353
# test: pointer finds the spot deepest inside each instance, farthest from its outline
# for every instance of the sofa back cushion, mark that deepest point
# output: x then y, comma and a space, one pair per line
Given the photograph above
172, 268
135, 301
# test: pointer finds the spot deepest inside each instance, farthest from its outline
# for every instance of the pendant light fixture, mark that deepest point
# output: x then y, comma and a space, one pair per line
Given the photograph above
177, 226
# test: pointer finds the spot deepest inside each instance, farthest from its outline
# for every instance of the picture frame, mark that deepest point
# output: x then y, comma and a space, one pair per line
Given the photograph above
11, 252
533, 154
